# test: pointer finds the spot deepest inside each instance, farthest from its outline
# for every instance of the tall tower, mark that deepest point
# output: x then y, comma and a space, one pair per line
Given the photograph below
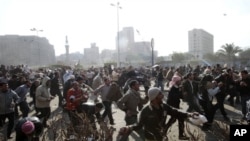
67, 51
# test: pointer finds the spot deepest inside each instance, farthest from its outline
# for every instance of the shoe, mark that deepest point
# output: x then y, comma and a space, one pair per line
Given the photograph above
112, 123
45, 126
238, 102
9, 137
183, 138
226, 118
232, 104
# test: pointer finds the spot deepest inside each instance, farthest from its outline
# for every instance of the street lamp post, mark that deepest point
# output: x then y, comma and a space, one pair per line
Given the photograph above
37, 31
117, 42
39, 51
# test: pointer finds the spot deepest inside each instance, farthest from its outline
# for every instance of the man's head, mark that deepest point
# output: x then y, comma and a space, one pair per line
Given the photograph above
189, 76
98, 107
134, 84
4, 85
106, 80
57, 74
155, 95
176, 80
79, 79
28, 127
38, 125
75, 85
48, 83
28, 83
244, 74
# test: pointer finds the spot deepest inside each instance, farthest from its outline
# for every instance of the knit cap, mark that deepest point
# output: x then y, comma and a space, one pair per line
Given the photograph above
28, 127
153, 93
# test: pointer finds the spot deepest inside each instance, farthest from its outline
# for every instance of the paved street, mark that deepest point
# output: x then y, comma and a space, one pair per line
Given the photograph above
233, 113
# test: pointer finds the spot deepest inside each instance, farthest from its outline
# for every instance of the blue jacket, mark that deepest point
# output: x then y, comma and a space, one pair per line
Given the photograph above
7, 101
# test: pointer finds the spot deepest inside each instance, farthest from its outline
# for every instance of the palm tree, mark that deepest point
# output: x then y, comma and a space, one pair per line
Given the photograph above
228, 52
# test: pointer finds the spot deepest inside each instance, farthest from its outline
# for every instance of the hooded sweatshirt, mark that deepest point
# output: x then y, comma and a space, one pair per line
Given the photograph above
43, 94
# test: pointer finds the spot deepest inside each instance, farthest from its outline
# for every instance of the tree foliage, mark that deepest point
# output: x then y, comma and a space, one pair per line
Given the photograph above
211, 57
228, 52
245, 54
178, 57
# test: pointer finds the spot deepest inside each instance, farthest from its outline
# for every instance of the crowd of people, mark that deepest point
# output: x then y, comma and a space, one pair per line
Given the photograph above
198, 87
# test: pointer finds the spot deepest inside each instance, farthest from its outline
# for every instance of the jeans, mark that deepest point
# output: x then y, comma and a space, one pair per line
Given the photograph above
108, 111
45, 114
11, 119
160, 84
24, 108
129, 121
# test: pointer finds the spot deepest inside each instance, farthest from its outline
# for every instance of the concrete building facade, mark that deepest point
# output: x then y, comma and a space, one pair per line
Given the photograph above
29, 50
132, 52
91, 55
200, 42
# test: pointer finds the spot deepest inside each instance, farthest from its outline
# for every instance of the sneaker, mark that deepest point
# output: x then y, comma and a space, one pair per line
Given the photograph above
183, 138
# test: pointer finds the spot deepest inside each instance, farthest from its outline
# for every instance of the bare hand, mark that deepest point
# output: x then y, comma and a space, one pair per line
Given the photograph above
194, 115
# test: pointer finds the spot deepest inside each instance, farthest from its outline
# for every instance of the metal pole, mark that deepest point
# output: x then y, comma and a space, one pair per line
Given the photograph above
118, 44
117, 5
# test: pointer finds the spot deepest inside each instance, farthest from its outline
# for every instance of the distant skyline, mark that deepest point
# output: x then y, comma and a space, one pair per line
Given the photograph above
95, 21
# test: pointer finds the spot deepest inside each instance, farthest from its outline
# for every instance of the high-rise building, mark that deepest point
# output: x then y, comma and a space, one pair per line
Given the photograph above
126, 41
132, 51
200, 43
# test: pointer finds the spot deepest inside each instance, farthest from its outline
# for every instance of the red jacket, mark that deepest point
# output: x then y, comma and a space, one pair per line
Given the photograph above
74, 98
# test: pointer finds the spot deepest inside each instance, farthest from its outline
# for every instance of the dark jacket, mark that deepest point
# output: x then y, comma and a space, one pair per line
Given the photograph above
55, 86
153, 120
191, 91
114, 93
174, 97
245, 90
7, 101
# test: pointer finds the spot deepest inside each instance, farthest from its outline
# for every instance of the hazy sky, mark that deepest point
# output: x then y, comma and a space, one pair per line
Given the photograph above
88, 21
